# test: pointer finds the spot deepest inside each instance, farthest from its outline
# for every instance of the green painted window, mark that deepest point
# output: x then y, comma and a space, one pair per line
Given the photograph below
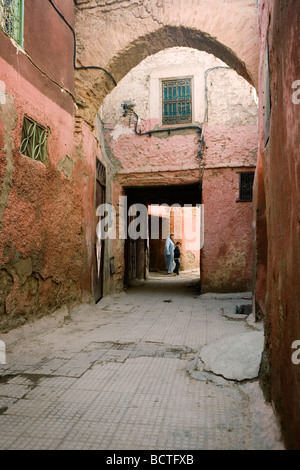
34, 140
11, 19
177, 101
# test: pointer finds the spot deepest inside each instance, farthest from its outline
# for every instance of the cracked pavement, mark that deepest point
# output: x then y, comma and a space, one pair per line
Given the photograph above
126, 374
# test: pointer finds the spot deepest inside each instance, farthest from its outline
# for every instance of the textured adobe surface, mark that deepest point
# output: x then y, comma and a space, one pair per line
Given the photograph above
119, 35
279, 22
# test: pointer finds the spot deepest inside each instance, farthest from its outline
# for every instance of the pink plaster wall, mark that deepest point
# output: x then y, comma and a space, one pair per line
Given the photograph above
183, 224
143, 153
260, 242
225, 146
47, 210
279, 22
226, 257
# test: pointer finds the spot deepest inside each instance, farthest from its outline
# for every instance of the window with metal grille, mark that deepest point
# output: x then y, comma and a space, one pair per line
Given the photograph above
246, 186
177, 101
34, 140
11, 19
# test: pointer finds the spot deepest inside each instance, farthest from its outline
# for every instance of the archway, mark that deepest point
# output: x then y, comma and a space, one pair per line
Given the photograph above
172, 208
120, 36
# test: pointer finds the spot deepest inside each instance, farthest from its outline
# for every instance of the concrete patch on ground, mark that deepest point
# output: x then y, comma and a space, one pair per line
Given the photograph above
236, 357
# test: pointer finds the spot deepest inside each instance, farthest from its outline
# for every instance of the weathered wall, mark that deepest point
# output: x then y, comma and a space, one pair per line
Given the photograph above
162, 159
48, 253
49, 41
118, 35
280, 167
260, 243
44, 32
45, 209
226, 257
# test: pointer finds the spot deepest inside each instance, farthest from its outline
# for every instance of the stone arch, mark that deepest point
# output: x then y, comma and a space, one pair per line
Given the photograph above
119, 37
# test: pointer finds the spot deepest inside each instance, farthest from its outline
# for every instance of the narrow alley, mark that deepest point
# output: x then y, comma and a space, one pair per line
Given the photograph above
140, 138
127, 373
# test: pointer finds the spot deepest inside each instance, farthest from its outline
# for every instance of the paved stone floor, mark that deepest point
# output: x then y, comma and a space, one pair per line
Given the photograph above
120, 375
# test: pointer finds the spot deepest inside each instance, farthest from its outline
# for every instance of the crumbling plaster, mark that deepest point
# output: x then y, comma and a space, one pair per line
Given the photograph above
118, 35
230, 129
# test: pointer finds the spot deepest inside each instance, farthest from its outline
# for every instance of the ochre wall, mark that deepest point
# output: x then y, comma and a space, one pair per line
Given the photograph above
184, 222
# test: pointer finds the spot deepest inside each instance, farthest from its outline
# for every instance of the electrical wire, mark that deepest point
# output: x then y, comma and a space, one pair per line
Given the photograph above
201, 140
207, 71
200, 129
75, 51
127, 109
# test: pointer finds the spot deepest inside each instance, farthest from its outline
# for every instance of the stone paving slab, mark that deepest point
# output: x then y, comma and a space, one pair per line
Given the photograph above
124, 374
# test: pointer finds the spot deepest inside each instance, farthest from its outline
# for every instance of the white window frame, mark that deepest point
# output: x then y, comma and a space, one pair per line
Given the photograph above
173, 73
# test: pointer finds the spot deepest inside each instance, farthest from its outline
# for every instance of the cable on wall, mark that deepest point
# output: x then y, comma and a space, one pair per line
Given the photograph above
201, 140
75, 51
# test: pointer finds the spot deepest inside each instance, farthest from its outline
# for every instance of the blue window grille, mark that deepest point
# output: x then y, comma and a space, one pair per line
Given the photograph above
11, 19
177, 101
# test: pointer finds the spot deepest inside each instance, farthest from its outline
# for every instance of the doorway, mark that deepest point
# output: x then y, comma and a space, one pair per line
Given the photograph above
144, 255
98, 263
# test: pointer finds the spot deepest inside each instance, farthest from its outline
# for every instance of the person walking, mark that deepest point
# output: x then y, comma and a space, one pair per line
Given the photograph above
177, 254
169, 254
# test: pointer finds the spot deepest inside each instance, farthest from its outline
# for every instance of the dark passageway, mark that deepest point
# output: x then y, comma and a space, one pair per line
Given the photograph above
145, 255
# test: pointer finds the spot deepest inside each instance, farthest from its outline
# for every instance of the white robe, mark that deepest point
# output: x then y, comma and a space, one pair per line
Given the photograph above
169, 255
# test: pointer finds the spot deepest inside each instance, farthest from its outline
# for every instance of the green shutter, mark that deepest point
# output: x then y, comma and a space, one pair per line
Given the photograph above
177, 101
11, 19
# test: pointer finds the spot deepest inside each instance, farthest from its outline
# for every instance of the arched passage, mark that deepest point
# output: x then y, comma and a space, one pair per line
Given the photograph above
170, 159
119, 35
120, 41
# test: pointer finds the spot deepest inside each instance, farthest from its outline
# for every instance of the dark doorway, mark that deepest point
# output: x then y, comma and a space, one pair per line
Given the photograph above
156, 245
143, 255
99, 244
